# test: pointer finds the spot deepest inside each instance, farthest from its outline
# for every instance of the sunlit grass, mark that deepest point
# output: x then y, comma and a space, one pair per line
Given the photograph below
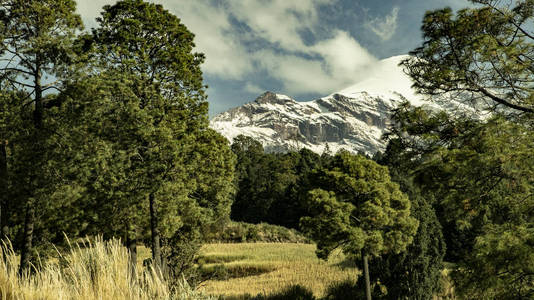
285, 264
95, 270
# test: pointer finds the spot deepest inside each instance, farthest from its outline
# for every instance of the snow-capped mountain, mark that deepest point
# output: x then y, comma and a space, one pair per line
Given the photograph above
353, 119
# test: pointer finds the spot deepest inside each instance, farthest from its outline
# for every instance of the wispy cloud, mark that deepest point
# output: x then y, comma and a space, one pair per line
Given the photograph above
242, 38
385, 27
319, 67
252, 88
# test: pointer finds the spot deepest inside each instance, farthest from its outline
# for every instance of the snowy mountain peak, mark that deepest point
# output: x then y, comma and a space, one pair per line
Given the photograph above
273, 98
353, 119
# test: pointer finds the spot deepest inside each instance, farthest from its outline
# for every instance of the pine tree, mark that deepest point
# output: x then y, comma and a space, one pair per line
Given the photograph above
482, 55
416, 273
37, 39
480, 175
357, 208
151, 44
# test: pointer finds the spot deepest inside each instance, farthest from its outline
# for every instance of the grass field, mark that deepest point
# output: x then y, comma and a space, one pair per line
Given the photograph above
98, 270
254, 268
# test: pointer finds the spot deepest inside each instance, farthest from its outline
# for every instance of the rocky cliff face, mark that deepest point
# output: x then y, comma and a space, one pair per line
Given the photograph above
353, 119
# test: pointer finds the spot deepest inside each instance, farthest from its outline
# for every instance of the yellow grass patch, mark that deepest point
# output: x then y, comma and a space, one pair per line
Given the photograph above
95, 270
285, 264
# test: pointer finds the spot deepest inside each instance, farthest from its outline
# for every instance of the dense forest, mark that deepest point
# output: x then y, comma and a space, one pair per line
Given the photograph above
104, 134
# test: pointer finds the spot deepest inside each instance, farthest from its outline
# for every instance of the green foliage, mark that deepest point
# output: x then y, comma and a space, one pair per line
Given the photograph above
481, 178
416, 273
237, 232
272, 187
295, 292
480, 173
105, 125
480, 54
37, 40
501, 264
147, 41
181, 168
358, 208
128, 128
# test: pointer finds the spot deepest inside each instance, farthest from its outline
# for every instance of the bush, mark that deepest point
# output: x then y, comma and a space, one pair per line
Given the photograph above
241, 232
295, 292
344, 290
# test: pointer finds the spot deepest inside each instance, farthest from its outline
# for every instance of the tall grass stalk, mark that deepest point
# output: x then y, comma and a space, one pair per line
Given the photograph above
93, 270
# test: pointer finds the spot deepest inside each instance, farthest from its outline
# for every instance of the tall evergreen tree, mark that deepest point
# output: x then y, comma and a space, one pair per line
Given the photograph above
480, 174
416, 273
37, 39
357, 208
145, 40
250, 155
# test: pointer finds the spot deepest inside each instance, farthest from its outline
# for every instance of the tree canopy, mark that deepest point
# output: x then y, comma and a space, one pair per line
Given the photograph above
482, 55
480, 175
105, 133
357, 208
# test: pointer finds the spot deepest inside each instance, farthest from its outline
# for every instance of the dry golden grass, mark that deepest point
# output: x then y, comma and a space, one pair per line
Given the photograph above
285, 264
98, 270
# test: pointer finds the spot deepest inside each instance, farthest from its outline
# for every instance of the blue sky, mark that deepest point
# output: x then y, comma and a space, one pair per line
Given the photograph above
302, 48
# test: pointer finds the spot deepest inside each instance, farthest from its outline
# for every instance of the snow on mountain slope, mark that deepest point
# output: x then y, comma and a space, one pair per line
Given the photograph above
353, 119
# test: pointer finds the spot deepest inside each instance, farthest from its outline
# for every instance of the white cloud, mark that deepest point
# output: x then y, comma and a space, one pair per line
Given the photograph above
254, 89
277, 21
90, 9
226, 56
385, 28
225, 30
341, 62
343, 55
298, 75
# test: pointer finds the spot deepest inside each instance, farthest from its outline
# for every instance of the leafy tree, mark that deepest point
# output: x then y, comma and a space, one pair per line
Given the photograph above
37, 44
480, 173
12, 115
272, 187
104, 123
291, 206
482, 55
416, 273
357, 208
485, 187
145, 40
247, 205
480, 176
214, 175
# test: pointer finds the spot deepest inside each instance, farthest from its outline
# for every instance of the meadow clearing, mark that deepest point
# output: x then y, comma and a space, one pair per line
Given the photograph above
266, 268
228, 271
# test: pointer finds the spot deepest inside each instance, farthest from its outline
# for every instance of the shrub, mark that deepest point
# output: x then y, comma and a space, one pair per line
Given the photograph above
240, 232
295, 292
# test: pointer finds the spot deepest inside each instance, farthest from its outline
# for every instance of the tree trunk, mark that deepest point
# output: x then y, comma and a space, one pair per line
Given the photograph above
366, 274
28, 237
156, 248
4, 214
3, 192
30, 209
38, 109
131, 245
